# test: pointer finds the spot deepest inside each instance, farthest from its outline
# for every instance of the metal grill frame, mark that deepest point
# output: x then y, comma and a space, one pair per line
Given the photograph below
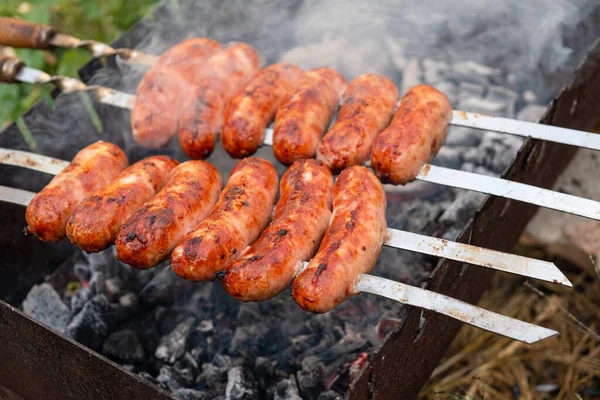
39, 362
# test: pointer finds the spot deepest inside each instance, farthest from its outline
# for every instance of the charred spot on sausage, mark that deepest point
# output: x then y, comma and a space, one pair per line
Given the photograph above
131, 236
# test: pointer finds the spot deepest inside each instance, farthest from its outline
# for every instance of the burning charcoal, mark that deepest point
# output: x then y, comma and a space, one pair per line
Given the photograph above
145, 375
97, 283
505, 96
531, 113
79, 299
240, 385
287, 390
82, 271
125, 346
173, 345
45, 305
330, 395
462, 208
472, 72
166, 286
168, 378
433, 70
310, 377
263, 368
129, 301
248, 313
247, 338
113, 287
448, 157
90, 325
211, 375
205, 326
459, 136
386, 326
190, 394
349, 343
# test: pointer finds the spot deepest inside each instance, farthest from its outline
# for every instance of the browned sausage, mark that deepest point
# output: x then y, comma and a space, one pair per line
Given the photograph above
250, 111
301, 217
351, 245
414, 137
221, 76
92, 168
148, 237
367, 109
303, 116
95, 223
242, 212
155, 115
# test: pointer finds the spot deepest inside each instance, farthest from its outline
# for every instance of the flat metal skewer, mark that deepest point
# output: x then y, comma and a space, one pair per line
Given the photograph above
429, 173
451, 307
466, 253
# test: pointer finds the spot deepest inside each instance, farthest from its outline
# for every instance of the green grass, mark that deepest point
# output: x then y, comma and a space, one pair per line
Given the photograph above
102, 20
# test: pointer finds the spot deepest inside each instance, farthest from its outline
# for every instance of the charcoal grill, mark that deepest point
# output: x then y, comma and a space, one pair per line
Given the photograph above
40, 363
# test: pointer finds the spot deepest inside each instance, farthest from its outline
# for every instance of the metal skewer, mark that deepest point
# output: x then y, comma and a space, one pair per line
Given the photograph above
15, 32
429, 173
466, 253
460, 310
459, 118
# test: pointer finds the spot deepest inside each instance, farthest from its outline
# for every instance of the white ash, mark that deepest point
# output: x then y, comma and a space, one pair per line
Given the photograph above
44, 304
173, 345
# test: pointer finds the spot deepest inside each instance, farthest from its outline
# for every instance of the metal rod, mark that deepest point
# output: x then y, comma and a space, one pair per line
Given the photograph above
532, 268
457, 309
526, 129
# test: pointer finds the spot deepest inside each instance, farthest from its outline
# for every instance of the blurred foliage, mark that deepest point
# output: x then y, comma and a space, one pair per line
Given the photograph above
102, 20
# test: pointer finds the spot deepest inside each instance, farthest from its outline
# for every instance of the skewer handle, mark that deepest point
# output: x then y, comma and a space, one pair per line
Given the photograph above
9, 68
17, 33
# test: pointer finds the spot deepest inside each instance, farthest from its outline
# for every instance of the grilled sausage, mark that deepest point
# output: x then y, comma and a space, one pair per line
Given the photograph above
414, 136
367, 109
250, 111
304, 114
240, 215
301, 218
351, 245
92, 168
155, 115
148, 237
202, 108
96, 221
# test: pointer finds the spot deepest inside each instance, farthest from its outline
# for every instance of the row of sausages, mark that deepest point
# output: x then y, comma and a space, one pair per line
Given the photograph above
199, 91
158, 207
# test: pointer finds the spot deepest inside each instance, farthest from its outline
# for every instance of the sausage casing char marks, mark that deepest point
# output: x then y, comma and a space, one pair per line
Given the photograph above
351, 244
242, 212
250, 111
155, 115
148, 237
221, 76
96, 221
414, 136
301, 218
367, 108
92, 168
304, 114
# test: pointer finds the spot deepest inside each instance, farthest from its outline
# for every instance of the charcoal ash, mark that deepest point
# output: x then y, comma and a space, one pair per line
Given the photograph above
45, 304
287, 389
240, 385
173, 345
124, 346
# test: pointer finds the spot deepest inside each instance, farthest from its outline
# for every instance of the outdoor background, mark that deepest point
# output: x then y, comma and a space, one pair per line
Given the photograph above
99, 20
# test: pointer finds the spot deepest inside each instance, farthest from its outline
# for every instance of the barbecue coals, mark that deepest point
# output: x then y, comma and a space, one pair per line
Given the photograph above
199, 343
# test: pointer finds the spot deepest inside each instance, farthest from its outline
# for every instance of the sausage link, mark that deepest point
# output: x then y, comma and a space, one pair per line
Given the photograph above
304, 115
240, 215
91, 169
202, 107
148, 237
250, 111
301, 218
351, 245
414, 136
155, 115
96, 221
367, 108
